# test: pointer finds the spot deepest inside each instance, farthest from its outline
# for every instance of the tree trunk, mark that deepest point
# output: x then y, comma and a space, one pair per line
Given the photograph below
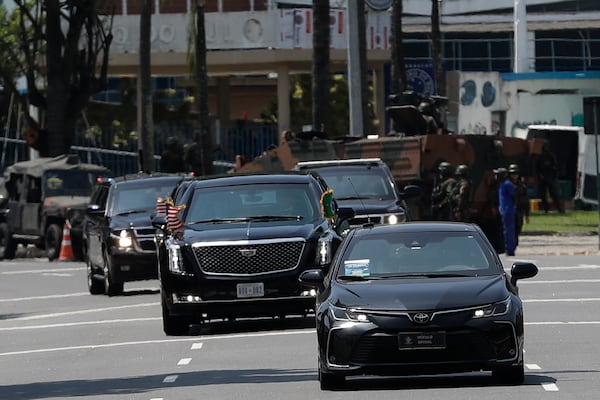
146, 140
364, 67
398, 84
320, 67
204, 138
436, 44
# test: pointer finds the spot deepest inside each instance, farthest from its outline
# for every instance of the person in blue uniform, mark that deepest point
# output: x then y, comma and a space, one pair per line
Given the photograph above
508, 211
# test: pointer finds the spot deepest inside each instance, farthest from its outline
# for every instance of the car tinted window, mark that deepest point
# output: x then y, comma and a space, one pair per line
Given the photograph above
358, 182
68, 183
139, 198
422, 253
253, 200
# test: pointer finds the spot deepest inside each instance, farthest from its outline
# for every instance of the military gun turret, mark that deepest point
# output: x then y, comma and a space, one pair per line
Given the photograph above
415, 114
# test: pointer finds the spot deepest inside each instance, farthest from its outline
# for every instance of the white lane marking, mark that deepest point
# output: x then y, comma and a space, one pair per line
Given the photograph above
156, 398
40, 271
48, 297
61, 275
68, 324
563, 323
184, 361
197, 346
150, 342
583, 299
54, 315
550, 387
560, 281
170, 378
533, 367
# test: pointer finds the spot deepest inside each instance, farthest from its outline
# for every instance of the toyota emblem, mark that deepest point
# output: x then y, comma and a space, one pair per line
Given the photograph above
421, 318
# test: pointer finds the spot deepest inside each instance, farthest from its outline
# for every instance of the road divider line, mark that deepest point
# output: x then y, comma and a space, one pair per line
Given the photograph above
533, 367
564, 323
197, 346
40, 271
580, 300
184, 361
48, 297
67, 313
559, 281
71, 324
158, 341
550, 387
170, 378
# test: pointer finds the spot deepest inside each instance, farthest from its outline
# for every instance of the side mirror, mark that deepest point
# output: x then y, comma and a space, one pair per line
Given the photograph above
312, 278
522, 270
94, 209
159, 221
410, 191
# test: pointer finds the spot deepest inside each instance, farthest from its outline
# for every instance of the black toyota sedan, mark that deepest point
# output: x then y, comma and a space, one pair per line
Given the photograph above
418, 298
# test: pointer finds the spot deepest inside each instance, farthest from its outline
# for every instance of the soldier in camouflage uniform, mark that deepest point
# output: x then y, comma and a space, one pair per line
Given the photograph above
521, 199
462, 194
441, 197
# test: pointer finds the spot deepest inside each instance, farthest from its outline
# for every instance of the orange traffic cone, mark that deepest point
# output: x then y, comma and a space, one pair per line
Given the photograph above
66, 248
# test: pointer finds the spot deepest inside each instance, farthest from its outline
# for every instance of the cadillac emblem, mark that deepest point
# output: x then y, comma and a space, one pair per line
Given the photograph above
248, 252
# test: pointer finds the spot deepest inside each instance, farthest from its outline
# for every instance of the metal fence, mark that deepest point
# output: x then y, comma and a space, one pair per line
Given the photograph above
250, 141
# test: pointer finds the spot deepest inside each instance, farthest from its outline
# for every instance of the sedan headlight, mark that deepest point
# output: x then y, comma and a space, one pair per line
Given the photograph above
324, 250
122, 238
347, 314
394, 219
175, 262
492, 310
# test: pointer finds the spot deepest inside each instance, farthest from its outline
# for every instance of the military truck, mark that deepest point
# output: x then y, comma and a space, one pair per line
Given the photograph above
414, 160
42, 195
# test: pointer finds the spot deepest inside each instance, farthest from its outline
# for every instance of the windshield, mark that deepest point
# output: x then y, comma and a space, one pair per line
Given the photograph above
358, 183
131, 199
68, 183
262, 202
427, 254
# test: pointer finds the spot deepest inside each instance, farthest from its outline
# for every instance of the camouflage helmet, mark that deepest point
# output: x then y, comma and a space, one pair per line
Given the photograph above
462, 170
445, 168
513, 168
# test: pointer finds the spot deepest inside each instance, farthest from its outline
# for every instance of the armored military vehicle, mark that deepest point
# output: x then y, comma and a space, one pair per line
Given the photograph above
42, 195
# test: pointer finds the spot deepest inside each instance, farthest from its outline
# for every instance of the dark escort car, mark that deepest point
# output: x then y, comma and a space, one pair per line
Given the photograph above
367, 186
118, 233
243, 243
43, 194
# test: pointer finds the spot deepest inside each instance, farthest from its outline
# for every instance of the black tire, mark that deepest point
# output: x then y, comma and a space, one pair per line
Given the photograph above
173, 325
111, 286
514, 375
8, 246
52, 241
329, 381
95, 285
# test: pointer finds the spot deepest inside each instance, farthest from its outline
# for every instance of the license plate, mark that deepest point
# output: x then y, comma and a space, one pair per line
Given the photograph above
421, 340
245, 290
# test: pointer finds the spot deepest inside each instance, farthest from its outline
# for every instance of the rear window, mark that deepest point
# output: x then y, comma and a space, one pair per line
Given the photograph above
68, 183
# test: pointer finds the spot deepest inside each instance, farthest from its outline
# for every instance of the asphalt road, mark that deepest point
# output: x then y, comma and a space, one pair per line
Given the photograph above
59, 342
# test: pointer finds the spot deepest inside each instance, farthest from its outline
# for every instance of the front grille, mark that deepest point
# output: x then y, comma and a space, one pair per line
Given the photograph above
145, 238
382, 348
248, 258
366, 219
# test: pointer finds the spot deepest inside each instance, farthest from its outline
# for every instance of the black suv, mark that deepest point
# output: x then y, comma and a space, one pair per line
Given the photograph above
367, 186
244, 242
118, 234
43, 194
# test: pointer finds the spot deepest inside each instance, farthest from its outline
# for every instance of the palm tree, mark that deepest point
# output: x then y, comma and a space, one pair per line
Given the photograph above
398, 84
436, 44
320, 66
200, 154
147, 123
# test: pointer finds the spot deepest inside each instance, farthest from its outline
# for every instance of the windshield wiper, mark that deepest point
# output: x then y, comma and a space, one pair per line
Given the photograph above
131, 212
352, 198
425, 275
247, 219
357, 278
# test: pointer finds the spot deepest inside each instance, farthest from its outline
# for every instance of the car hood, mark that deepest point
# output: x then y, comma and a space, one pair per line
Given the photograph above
369, 206
420, 294
135, 220
251, 231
